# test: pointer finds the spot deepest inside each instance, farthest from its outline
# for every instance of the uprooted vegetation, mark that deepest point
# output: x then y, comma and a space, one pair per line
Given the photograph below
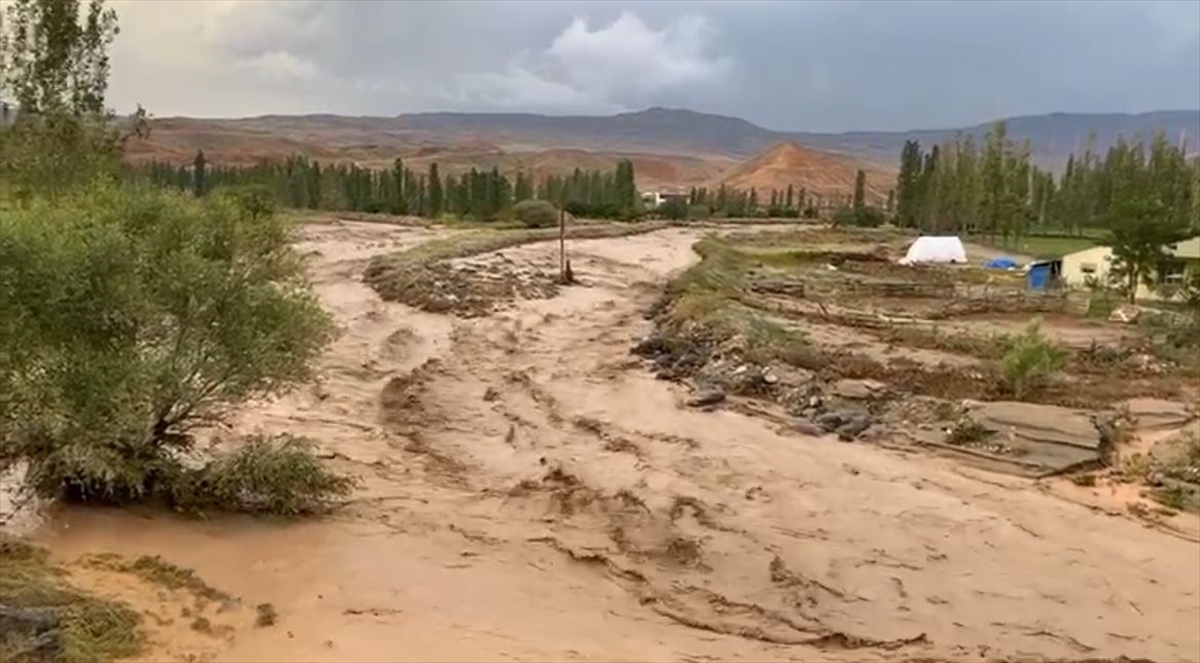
44, 618
428, 278
135, 317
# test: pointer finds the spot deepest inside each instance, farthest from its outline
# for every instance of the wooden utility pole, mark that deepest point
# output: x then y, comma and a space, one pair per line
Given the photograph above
562, 245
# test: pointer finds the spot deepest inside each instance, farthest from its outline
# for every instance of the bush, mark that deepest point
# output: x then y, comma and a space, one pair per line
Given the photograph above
674, 209
863, 217
131, 317
1031, 360
536, 213
280, 476
699, 212
256, 200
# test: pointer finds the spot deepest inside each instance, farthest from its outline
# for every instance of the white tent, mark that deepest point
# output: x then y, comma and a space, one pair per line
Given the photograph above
935, 249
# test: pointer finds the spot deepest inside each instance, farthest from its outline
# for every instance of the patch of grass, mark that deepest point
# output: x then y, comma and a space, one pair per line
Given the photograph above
89, 628
390, 274
161, 572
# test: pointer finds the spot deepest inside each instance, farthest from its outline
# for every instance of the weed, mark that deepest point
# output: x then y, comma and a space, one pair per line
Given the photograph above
265, 615
966, 431
1175, 497
161, 572
1031, 360
1084, 480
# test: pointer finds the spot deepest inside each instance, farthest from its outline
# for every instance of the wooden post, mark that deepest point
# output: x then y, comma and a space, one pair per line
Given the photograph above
562, 245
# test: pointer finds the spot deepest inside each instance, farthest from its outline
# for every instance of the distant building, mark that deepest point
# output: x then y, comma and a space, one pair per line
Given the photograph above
1187, 253
653, 199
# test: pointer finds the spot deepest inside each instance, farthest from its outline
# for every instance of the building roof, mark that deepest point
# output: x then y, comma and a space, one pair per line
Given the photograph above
1188, 249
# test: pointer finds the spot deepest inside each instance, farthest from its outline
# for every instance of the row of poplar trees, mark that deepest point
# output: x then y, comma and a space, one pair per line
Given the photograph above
301, 183
995, 189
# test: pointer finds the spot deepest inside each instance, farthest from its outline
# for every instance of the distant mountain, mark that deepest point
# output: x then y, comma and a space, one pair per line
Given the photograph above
676, 147
1053, 136
820, 173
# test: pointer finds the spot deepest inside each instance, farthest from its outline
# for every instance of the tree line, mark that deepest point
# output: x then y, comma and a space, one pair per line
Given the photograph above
486, 195
995, 188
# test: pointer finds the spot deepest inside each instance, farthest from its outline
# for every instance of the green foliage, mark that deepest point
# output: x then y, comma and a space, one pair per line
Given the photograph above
699, 212
1141, 230
54, 64
958, 187
278, 476
133, 315
536, 213
674, 209
863, 217
1031, 360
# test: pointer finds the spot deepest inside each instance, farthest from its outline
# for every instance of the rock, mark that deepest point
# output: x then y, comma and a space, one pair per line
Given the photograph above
491, 394
1151, 413
35, 633
706, 397
857, 389
770, 378
852, 427
808, 428
1047, 437
830, 421
814, 401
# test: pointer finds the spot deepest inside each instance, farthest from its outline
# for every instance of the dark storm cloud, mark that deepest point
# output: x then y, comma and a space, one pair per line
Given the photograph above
790, 65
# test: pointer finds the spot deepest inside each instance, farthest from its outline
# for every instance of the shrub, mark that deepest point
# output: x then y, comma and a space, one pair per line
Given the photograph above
279, 475
699, 212
863, 217
675, 209
536, 213
1030, 360
132, 316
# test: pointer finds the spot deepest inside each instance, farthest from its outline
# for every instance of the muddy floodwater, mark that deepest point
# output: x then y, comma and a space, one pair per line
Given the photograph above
531, 492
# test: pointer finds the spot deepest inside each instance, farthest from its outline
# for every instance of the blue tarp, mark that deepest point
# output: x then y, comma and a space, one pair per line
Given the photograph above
1039, 276
1002, 263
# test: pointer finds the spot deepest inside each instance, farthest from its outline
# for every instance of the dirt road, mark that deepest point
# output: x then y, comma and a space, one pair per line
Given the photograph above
532, 493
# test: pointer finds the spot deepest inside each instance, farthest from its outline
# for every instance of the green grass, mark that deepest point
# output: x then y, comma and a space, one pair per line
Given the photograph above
1045, 246
91, 629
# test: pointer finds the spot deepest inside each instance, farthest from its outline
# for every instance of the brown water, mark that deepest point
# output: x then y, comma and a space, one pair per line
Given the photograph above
643, 530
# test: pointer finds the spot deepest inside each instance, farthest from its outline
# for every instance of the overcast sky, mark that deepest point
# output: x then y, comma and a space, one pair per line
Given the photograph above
814, 66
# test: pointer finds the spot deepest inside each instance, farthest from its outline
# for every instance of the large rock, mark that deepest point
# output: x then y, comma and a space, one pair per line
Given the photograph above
1152, 413
857, 390
1047, 437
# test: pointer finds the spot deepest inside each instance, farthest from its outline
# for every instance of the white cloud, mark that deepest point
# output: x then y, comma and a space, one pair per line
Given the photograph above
616, 67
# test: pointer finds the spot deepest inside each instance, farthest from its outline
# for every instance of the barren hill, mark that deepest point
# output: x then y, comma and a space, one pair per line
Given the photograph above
825, 174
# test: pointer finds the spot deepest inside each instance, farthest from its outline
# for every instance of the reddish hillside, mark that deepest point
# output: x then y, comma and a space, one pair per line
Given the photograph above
825, 174
373, 143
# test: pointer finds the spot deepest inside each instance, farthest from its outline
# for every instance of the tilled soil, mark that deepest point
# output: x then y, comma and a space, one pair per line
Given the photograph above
531, 492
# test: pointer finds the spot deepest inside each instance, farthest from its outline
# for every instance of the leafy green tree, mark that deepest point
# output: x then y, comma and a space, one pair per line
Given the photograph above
536, 213
1142, 229
54, 65
860, 190
435, 192
198, 175
908, 185
133, 316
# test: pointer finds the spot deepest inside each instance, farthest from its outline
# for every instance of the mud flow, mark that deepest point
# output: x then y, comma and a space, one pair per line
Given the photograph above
533, 491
